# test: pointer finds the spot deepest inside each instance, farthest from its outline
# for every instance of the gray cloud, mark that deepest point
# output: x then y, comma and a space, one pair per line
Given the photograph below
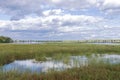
60, 27
109, 6
18, 9
56, 19
51, 22
74, 4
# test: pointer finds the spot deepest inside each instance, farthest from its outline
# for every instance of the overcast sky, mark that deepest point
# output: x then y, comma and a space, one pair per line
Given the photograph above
60, 19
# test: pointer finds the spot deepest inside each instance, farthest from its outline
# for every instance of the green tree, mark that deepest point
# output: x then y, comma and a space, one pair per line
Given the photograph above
4, 39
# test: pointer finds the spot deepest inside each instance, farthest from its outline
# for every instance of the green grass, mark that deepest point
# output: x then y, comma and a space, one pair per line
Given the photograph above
94, 71
11, 52
91, 72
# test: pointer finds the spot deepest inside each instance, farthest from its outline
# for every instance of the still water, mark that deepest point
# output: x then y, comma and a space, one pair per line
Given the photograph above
105, 43
74, 61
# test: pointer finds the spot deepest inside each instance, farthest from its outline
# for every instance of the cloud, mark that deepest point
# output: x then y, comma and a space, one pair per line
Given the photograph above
60, 18
18, 9
109, 6
51, 22
74, 4
54, 27
53, 12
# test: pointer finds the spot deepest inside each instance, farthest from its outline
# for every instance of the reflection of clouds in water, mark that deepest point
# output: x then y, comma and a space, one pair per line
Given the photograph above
111, 56
114, 59
34, 66
75, 61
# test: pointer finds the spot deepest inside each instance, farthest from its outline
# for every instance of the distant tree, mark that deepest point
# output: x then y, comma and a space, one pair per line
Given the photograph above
4, 39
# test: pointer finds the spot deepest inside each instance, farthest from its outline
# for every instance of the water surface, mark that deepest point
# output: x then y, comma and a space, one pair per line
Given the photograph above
74, 61
105, 43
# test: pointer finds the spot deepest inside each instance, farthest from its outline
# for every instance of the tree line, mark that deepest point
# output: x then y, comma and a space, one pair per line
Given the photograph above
4, 39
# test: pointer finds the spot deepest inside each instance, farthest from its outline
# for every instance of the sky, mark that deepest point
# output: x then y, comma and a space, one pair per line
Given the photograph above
60, 19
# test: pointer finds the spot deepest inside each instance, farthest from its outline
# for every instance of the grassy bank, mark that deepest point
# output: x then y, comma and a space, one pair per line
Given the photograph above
11, 52
91, 72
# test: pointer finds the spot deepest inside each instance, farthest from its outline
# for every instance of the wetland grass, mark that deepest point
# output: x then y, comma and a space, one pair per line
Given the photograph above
94, 71
11, 52
90, 72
